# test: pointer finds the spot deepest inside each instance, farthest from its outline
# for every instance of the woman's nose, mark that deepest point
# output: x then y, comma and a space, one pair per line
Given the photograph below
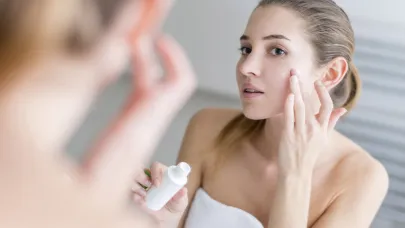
251, 66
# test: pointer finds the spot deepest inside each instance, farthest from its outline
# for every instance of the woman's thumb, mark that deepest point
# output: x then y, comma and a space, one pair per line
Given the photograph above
179, 202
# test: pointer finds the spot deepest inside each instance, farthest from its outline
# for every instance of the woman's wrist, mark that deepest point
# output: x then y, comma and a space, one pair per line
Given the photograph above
291, 201
294, 179
296, 174
295, 186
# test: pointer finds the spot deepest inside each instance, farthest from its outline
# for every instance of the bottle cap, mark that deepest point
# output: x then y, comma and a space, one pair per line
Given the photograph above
182, 169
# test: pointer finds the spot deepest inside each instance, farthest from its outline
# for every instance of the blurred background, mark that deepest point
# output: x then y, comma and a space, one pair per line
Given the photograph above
209, 31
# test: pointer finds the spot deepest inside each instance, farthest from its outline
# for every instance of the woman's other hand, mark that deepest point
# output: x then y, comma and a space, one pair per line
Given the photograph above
42, 187
170, 214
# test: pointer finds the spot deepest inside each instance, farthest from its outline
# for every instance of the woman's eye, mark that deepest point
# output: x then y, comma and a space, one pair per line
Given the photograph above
278, 51
245, 50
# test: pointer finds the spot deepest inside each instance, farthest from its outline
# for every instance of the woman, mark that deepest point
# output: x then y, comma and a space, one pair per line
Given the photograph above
279, 163
55, 57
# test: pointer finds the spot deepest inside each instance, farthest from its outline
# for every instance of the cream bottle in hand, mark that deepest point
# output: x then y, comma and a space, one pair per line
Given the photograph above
174, 179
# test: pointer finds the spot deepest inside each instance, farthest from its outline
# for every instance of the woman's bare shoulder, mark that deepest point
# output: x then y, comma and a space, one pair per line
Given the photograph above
359, 168
359, 182
208, 122
202, 130
357, 158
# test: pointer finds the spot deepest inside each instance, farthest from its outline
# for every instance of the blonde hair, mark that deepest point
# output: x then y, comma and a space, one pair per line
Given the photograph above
331, 35
28, 28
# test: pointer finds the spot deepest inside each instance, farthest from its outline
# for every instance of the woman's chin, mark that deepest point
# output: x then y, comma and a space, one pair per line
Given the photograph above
255, 114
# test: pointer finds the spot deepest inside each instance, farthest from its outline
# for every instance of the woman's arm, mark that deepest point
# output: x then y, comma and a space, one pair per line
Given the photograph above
291, 203
173, 214
200, 134
190, 153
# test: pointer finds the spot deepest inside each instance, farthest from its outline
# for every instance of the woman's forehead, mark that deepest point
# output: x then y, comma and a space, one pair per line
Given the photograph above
274, 20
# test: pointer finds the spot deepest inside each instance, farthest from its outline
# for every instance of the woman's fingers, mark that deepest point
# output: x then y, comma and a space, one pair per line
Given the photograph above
142, 42
335, 116
152, 17
143, 181
299, 105
289, 114
135, 134
304, 113
310, 119
179, 202
157, 171
326, 104
179, 71
144, 66
140, 192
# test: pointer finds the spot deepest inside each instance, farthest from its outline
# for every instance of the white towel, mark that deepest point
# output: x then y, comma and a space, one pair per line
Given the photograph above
205, 212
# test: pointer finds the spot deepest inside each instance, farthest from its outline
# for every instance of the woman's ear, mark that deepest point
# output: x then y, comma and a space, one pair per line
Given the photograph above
335, 72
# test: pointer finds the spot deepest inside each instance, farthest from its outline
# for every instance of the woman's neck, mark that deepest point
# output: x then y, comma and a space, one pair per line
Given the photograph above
268, 140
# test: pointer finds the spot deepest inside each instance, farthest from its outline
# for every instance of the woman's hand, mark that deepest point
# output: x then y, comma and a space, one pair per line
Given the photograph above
305, 133
170, 214
41, 187
304, 137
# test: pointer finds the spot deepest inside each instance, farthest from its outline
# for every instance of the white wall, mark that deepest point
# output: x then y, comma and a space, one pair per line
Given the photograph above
389, 11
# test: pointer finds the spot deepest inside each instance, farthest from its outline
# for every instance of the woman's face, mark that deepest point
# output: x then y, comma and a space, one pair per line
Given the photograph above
274, 42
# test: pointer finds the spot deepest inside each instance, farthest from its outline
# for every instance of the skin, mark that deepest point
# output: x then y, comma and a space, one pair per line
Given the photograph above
46, 103
309, 168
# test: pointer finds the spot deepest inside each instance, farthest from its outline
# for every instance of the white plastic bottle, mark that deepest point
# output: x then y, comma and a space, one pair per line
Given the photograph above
173, 180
